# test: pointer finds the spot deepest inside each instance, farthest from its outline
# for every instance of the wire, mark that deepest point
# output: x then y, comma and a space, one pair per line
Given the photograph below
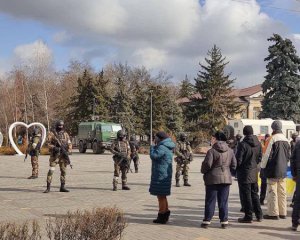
270, 6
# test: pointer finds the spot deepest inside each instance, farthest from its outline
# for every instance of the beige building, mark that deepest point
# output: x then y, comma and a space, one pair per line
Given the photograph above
250, 99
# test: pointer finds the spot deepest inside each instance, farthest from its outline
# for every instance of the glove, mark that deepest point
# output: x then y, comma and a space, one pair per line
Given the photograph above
55, 150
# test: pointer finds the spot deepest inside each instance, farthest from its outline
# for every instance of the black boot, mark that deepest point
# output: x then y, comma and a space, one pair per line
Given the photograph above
167, 215
186, 183
161, 218
177, 183
62, 188
48, 188
125, 187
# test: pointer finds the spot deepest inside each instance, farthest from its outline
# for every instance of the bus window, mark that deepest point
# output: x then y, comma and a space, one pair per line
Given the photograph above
106, 128
116, 128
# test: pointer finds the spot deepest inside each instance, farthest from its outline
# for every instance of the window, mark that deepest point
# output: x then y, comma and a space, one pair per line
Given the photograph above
116, 128
256, 112
264, 129
106, 128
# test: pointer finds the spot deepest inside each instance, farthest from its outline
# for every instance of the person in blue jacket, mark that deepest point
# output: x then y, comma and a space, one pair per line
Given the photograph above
161, 155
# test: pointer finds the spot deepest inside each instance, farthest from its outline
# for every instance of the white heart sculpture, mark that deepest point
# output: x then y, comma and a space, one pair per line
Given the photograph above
1, 139
44, 133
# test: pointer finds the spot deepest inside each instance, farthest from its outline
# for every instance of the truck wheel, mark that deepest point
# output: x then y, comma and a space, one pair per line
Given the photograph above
96, 148
81, 147
102, 150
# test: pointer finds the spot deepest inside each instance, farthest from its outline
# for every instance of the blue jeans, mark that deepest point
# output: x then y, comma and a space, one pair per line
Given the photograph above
215, 192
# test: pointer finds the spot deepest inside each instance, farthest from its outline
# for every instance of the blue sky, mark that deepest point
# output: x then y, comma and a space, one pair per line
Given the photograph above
156, 34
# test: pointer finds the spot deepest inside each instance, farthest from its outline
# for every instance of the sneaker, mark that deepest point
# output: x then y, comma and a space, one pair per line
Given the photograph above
224, 225
282, 216
244, 220
271, 217
205, 224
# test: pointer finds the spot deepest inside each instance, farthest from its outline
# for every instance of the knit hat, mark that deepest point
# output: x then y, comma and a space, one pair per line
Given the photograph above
161, 135
276, 125
248, 130
220, 136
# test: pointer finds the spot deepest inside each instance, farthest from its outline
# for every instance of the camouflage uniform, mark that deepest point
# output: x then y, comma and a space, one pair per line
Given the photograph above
120, 149
134, 156
33, 150
57, 158
184, 157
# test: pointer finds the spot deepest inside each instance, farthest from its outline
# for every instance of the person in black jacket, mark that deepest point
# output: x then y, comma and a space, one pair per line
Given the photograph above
248, 156
295, 169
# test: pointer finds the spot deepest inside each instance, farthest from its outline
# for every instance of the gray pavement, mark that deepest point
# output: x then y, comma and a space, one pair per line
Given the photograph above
90, 182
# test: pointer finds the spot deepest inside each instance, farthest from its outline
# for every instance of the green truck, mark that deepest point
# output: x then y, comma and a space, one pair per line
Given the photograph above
96, 135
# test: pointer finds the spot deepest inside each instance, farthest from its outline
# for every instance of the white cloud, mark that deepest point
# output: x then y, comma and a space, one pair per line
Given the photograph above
170, 34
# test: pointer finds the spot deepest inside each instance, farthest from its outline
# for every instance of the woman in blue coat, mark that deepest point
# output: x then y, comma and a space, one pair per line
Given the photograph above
161, 155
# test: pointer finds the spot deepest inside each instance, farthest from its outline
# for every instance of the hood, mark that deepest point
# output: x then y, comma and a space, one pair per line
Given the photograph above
252, 140
167, 143
221, 146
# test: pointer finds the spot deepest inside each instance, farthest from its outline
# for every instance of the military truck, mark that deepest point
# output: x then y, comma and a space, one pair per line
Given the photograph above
96, 135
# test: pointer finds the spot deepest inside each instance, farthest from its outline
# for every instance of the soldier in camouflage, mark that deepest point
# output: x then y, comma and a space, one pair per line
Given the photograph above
33, 150
183, 158
134, 156
121, 156
56, 138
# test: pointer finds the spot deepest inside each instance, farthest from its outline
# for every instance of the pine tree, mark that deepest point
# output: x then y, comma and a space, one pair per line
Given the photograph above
186, 89
103, 98
83, 103
216, 103
121, 106
282, 83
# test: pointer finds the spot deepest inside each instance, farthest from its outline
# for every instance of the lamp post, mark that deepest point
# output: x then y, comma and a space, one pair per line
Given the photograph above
151, 91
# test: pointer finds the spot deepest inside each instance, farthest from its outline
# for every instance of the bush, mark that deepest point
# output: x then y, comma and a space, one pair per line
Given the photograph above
7, 151
98, 224
9, 231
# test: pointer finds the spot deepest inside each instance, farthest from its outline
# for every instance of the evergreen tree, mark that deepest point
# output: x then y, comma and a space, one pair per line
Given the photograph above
186, 89
121, 106
215, 103
103, 98
282, 83
83, 103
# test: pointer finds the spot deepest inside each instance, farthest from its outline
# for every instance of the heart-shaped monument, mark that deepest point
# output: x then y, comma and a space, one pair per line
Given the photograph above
11, 139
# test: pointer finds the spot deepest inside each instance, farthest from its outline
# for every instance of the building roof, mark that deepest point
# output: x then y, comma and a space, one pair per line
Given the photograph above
238, 93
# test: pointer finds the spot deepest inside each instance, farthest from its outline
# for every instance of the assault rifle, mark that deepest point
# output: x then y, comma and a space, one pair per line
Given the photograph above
186, 158
63, 151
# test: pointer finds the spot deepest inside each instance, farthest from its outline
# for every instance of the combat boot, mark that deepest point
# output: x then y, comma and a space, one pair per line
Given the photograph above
177, 183
186, 183
32, 177
63, 189
125, 187
48, 188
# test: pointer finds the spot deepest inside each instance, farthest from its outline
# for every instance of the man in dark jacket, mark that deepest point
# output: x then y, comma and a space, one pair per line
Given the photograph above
295, 169
216, 167
274, 163
248, 156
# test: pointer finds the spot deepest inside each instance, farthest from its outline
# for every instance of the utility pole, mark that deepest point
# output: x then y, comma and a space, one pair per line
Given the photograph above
151, 91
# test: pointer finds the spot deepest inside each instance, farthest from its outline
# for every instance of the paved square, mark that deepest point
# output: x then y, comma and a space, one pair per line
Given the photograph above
90, 182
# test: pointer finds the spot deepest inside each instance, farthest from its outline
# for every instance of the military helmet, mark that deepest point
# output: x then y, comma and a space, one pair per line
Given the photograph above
132, 138
59, 125
121, 134
182, 136
35, 131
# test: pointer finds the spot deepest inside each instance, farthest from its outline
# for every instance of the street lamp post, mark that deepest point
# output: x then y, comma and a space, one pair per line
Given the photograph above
151, 91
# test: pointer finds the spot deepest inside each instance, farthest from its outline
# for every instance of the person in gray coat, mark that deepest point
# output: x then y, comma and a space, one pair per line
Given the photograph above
217, 167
